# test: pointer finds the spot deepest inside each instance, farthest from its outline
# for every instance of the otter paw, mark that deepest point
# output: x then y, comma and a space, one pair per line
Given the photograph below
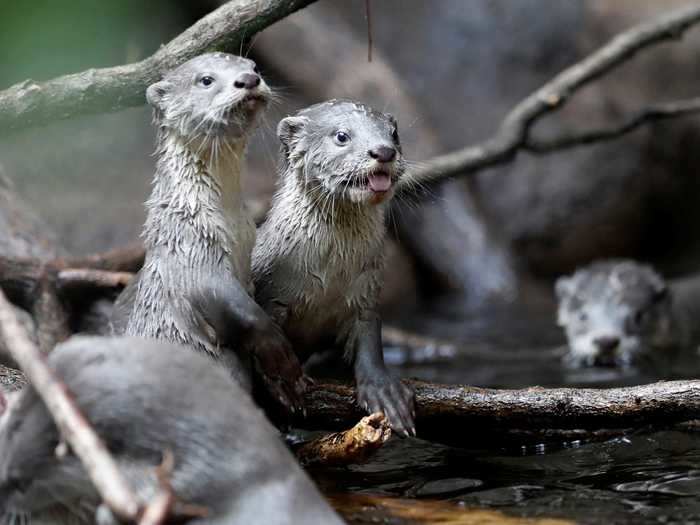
391, 397
278, 367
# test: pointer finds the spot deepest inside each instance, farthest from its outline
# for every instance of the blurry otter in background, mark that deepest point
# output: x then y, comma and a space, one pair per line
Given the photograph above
623, 313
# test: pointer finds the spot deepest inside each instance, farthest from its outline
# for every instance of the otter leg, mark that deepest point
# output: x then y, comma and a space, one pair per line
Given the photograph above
238, 322
377, 389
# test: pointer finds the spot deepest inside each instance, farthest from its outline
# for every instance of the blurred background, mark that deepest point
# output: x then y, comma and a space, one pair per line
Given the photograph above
474, 256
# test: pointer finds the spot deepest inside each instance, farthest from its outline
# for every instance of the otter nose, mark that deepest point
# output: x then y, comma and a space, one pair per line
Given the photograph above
247, 81
383, 153
606, 344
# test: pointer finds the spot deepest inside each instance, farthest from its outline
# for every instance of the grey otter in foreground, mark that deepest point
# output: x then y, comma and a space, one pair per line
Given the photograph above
624, 313
198, 231
141, 398
318, 259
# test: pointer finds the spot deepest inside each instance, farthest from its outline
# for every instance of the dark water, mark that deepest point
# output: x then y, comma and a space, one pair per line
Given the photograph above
647, 477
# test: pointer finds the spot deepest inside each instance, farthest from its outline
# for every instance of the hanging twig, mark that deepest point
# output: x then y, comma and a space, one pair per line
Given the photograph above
368, 16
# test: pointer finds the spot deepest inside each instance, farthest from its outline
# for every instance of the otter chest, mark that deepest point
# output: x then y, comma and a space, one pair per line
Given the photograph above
333, 283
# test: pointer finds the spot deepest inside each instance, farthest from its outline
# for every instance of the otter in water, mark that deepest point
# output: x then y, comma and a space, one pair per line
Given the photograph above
318, 259
144, 398
197, 226
622, 313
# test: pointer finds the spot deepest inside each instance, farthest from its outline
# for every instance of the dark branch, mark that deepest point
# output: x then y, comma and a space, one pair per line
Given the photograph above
653, 113
110, 89
513, 133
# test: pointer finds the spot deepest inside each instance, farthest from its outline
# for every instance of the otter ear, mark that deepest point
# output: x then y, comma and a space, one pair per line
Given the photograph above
156, 92
564, 287
289, 130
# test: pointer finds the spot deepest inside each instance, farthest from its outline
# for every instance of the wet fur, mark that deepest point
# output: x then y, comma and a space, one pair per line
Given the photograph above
318, 260
141, 398
197, 226
624, 300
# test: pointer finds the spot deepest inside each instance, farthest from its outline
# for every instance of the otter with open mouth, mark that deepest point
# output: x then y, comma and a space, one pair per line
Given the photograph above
318, 260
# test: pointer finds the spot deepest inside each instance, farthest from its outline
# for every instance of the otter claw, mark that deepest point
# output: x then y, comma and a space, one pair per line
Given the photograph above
392, 398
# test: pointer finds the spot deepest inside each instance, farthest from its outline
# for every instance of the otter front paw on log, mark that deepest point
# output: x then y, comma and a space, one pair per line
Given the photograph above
198, 234
318, 259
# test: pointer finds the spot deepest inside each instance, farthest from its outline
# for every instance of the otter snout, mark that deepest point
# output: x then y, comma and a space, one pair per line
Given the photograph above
247, 81
383, 153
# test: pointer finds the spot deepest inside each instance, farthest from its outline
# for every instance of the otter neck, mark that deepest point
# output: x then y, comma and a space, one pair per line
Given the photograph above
196, 206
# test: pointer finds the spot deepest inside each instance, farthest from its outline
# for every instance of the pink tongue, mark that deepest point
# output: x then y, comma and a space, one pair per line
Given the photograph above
379, 182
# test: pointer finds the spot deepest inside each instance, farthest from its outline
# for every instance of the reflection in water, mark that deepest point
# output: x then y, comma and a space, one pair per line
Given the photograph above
651, 477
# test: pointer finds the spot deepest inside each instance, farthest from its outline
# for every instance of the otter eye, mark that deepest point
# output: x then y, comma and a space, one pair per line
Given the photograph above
395, 136
583, 317
256, 70
206, 80
341, 138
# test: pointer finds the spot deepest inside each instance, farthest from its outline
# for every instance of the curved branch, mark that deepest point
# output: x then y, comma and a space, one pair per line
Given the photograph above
513, 133
113, 88
650, 114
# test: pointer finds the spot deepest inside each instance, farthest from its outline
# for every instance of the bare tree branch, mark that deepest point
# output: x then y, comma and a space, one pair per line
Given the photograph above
127, 258
513, 133
462, 414
653, 113
74, 428
110, 89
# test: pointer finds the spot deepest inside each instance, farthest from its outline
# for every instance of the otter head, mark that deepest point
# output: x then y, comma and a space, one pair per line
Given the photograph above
616, 313
32, 478
343, 149
210, 97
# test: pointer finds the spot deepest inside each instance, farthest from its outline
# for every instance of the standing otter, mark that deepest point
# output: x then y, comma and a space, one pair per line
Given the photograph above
197, 226
144, 398
622, 313
319, 256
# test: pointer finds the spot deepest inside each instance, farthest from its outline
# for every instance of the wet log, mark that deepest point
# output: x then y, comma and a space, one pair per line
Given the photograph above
463, 415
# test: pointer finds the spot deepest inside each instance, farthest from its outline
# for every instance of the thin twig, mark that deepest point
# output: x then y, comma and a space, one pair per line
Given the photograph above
513, 133
88, 278
368, 16
75, 429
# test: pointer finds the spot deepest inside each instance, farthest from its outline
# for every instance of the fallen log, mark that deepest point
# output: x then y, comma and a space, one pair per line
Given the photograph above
462, 415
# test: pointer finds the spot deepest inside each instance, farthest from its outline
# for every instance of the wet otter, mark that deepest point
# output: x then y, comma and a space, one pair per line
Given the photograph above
623, 313
145, 397
197, 226
318, 259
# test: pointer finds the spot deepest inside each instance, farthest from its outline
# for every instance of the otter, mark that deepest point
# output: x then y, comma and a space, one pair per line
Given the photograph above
145, 397
197, 226
318, 259
623, 313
